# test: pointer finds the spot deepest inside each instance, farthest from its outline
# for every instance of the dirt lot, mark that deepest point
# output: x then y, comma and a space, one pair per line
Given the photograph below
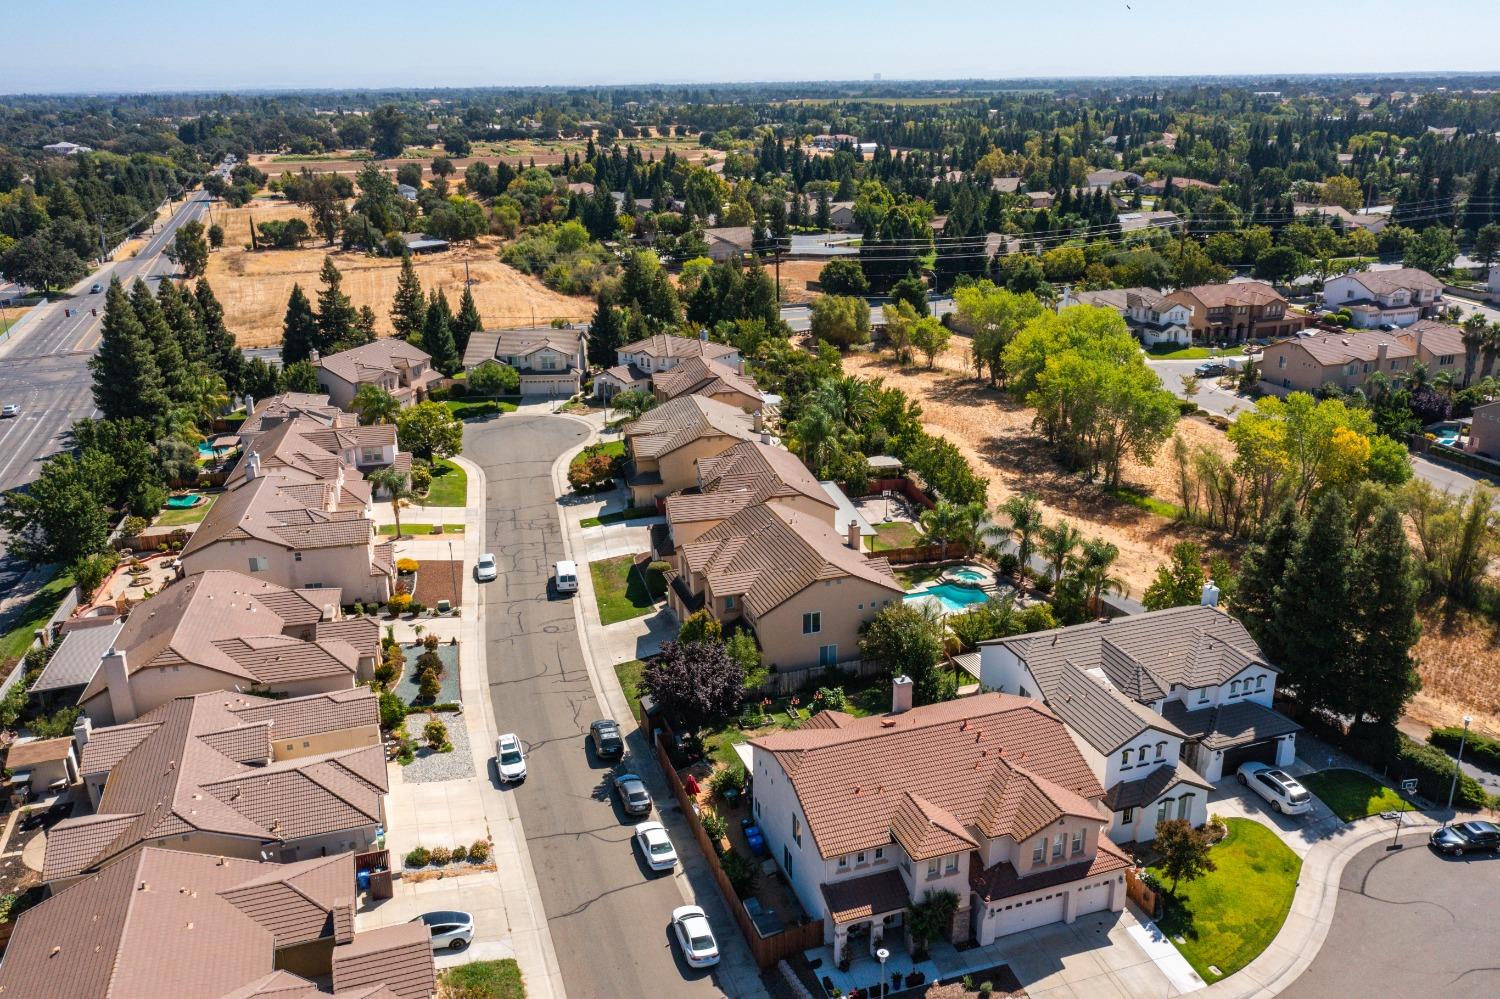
253, 287
794, 277
996, 434
512, 152
1459, 660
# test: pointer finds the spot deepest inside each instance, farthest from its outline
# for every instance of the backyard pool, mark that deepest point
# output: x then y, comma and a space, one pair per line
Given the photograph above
953, 598
207, 450
969, 575
183, 502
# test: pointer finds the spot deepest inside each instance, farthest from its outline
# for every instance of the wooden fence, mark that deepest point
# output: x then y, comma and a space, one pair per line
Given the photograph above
767, 950
1140, 893
920, 553
792, 680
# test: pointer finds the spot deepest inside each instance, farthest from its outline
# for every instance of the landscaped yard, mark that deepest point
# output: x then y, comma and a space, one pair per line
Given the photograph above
895, 534
483, 980
915, 576
622, 592
187, 515
872, 697
1166, 352
618, 516
471, 409
1227, 917
629, 675
22, 626
389, 530
450, 486
1352, 795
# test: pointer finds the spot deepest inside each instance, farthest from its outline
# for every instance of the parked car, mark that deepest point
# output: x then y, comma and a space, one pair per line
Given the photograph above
450, 929
484, 569
695, 937
1210, 368
9, 410
656, 846
565, 577
634, 797
1276, 786
1466, 837
510, 758
609, 744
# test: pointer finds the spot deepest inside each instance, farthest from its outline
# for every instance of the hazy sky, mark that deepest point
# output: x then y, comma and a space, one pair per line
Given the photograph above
87, 45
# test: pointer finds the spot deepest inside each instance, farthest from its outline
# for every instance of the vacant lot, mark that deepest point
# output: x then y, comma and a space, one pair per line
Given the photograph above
996, 434
1459, 661
795, 274
522, 151
253, 287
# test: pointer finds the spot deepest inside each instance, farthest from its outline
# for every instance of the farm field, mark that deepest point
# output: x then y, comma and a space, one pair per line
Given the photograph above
511, 151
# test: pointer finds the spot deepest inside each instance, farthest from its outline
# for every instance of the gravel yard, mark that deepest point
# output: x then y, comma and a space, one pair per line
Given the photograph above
430, 766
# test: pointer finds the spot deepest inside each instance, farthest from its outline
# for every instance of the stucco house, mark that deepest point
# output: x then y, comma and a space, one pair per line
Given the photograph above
209, 773
1397, 297
404, 371
790, 578
1438, 345
1492, 286
222, 630
1146, 311
635, 363
1346, 359
985, 796
551, 361
1236, 312
1162, 705
662, 448
1484, 432
711, 379
302, 449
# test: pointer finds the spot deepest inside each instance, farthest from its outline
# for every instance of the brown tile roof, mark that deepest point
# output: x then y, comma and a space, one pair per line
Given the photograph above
291, 515
1395, 279
1101, 715
1230, 724
295, 717
681, 421
370, 361
864, 898
34, 751
1002, 881
486, 345
769, 554
984, 760
1437, 338
1139, 793
1336, 349
287, 405
1217, 296
744, 475
702, 376
925, 831
399, 957
663, 345
296, 902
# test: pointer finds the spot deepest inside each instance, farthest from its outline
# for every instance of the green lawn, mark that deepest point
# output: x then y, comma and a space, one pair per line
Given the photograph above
471, 409
615, 449
484, 980
860, 702
29, 617
618, 516
1227, 917
916, 576
1352, 795
895, 534
629, 675
190, 515
1150, 504
450, 486
1166, 352
389, 530
621, 592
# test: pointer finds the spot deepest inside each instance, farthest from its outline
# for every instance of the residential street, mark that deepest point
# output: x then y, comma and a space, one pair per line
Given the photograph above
609, 917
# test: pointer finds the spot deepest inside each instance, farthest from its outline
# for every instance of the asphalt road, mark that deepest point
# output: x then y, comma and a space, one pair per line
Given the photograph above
609, 915
1410, 923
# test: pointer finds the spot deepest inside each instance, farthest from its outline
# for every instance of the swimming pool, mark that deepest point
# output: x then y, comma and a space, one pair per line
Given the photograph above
953, 598
183, 502
969, 575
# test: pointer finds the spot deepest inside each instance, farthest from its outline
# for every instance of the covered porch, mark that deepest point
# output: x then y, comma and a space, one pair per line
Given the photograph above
867, 915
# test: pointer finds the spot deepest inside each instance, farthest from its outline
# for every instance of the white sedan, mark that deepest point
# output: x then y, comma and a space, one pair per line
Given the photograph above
656, 846
1278, 787
484, 569
695, 937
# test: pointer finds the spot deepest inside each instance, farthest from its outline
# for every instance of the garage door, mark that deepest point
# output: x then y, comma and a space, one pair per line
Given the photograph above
1258, 752
1026, 915
1092, 898
540, 386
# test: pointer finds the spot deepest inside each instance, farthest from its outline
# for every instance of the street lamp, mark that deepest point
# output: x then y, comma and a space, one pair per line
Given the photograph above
1458, 765
881, 955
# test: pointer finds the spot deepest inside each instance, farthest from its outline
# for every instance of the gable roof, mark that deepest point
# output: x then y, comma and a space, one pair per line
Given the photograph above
664, 345
925, 831
679, 422
397, 956
769, 554
279, 408
487, 345
751, 472
1436, 338
1218, 296
1383, 282
1094, 710
703, 376
76, 658
1335, 349
994, 761
371, 361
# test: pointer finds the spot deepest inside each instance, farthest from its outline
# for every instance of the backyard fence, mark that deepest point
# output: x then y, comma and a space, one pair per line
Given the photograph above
1140, 893
792, 680
767, 950
921, 553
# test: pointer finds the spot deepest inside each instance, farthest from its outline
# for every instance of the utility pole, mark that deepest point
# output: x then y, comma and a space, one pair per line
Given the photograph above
1458, 763
778, 275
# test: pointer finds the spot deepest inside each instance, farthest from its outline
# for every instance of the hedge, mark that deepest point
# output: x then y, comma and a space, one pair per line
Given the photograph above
1402, 758
1480, 750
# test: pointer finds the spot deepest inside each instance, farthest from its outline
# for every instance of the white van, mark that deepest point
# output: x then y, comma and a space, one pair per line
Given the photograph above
565, 577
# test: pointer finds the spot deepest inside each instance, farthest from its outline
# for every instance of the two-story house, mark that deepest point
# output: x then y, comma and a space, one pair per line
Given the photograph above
1397, 297
1440, 346
711, 379
404, 371
636, 363
1345, 359
1146, 311
986, 797
663, 447
550, 360
1236, 312
303, 449
1163, 703
790, 577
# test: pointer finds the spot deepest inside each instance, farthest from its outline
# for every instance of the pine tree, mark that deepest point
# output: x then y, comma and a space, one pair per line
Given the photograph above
437, 335
219, 347
164, 347
1313, 608
183, 321
606, 333
336, 314
299, 330
1383, 677
364, 329
467, 322
1261, 572
409, 309
126, 382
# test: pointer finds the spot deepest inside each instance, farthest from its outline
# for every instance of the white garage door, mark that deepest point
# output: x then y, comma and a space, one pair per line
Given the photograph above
1026, 915
1092, 898
540, 386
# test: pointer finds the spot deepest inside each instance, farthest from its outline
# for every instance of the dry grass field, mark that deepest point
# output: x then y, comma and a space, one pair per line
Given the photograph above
1459, 660
794, 277
253, 287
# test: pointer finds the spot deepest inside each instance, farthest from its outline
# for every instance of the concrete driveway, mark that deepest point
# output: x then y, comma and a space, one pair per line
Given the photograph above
1300, 832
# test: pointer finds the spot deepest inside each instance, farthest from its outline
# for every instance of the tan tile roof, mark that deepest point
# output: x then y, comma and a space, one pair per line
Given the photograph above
398, 956
863, 898
769, 554
702, 376
663, 345
34, 751
486, 345
681, 421
925, 831
293, 515
295, 717
748, 473
370, 361
296, 902
984, 760
1437, 338
1002, 881
1395, 279
1104, 716
1215, 296
1337, 349
287, 405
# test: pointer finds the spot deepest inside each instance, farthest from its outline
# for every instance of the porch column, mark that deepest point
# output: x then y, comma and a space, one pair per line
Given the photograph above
1069, 908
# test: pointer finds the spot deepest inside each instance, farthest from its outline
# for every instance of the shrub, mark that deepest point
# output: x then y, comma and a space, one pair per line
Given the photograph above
1479, 749
726, 778
407, 566
715, 826
829, 699
392, 711
1433, 770
416, 607
430, 643
590, 472
421, 478
133, 526
357, 609
1186, 407
740, 872
398, 603
441, 855
418, 857
460, 854
428, 687
1008, 564
479, 851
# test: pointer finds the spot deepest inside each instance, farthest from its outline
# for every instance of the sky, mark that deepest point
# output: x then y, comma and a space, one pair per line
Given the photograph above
71, 46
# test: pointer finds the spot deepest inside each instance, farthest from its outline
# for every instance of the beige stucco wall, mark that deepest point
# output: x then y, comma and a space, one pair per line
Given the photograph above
340, 392
345, 567
845, 604
324, 742
679, 468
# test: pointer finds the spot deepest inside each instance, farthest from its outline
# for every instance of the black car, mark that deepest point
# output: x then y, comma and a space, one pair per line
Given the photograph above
608, 743
634, 798
1466, 837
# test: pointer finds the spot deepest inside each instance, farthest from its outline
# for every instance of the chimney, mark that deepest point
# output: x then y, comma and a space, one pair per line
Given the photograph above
703, 335
328, 612
252, 466
851, 534
314, 356
901, 690
760, 421
117, 679
1380, 355
1210, 595
82, 732
249, 403
1419, 341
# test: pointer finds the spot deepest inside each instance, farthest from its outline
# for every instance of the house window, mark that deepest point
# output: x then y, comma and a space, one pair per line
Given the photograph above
950, 864
1183, 804
1125, 758
1164, 810
828, 655
933, 869
844, 863
1039, 851
1161, 749
296, 556
1203, 696
1058, 845
797, 829
786, 863
1077, 846
859, 858
879, 853
370, 456
257, 563
1281, 361
729, 603
812, 622
1127, 817
1234, 688
1260, 682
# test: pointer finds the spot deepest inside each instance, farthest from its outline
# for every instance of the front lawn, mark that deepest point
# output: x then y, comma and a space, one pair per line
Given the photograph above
450, 486
895, 534
629, 675
1167, 352
389, 530
185, 515
1352, 795
622, 592
499, 979
1228, 917
473, 409
632, 513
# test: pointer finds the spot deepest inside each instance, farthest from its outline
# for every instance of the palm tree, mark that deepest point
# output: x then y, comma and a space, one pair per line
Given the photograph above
816, 432
397, 486
1024, 511
847, 400
1490, 348
1473, 337
954, 524
634, 402
1094, 562
374, 404
1445, 382
1058, 544
1417, 376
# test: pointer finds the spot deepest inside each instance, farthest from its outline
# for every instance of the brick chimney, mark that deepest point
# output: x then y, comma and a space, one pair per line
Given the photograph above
901, 694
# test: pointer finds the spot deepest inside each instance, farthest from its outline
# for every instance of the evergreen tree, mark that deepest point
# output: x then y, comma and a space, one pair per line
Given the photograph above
1261, 572
1383, 676
126, 382
336, 314
220, 349
183, 320
364, 329
467, 322
170, 366
437, 334
1313, 607
824, 217
409, 309
606, 333
299, 330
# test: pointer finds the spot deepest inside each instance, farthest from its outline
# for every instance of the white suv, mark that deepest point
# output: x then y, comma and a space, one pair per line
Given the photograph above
510, 758
1276, 786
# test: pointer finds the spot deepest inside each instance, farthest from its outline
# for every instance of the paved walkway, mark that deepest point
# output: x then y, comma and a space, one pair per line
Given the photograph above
624, 640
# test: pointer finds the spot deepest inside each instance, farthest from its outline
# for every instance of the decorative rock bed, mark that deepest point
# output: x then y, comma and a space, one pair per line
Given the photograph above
431, 766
